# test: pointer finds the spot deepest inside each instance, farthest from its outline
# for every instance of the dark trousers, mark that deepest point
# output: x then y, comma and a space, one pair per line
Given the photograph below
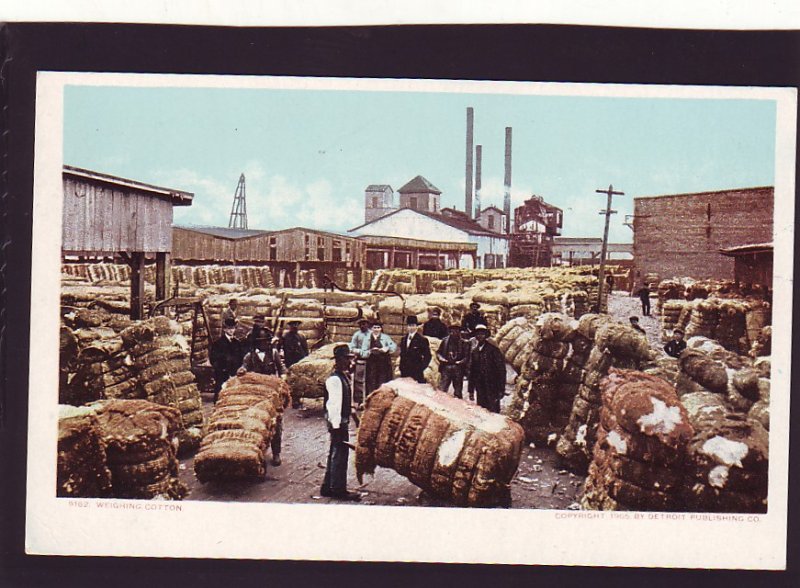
488, 400
335, 480
275, 444
359, 376
646, 306
220, 377
454, 376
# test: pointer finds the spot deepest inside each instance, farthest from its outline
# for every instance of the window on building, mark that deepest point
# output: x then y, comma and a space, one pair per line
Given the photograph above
273, 248
308, 248
491, 221
348, 252
374, 202
320, 248
412, 202
336, 254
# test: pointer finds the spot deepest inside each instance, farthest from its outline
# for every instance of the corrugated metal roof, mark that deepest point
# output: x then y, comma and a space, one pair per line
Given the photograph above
418, 185
468, 226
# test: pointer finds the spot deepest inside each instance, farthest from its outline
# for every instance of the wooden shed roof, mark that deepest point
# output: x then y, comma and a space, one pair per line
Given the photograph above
177, 197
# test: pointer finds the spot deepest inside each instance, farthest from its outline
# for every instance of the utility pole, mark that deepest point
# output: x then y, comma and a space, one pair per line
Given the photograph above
604, 250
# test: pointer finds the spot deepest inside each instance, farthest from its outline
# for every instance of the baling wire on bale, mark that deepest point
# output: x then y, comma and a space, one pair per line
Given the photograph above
141, 442
451, 449
240, 429
638, 460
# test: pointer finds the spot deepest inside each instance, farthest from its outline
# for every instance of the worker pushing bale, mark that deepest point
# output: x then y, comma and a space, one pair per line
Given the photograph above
240, 428
451, 449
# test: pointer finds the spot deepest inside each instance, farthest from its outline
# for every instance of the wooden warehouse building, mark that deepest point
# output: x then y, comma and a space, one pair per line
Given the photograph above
287, 252
679, 235
752, 264
399, 252
115, 218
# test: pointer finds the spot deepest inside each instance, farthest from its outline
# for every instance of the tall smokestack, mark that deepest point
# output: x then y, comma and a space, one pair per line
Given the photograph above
478, 153
468, 191
507, 182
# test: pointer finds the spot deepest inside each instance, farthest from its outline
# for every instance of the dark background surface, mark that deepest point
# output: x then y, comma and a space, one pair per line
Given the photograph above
535, 53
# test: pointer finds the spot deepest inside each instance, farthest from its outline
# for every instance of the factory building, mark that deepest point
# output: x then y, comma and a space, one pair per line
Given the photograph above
682, 234
536, 224
420, 217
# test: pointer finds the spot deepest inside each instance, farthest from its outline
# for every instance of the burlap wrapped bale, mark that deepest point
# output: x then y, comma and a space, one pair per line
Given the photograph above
307, 377
763, 343
141, 444
701, 368
81, 469
538, 403
453, 450
728, 464
241, 428
615, 345
642, 439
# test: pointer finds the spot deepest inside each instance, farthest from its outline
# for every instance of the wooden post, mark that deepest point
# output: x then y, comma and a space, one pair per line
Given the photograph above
137, 285
163, 275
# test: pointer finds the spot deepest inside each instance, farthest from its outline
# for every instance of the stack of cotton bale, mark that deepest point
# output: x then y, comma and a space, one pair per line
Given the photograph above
705, 317
240, 429
615, 345
452, 286
514, 339
451, 449
81, 467
306, 378
141, 443
727, 462
341, 320
638, 460
762, 344
538, 404
668, 290
159, 356
671, 311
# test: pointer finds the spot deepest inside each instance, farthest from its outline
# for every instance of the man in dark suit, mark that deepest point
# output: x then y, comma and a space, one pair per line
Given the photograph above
453, 356
473, 318
294, 345
487, 371
435, 327
226, 355
415, 352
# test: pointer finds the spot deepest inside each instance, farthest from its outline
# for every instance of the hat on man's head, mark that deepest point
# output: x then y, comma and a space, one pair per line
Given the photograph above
363, 321
455, 326
229, 323
634, 319
680, 331
341, 351
412, 320
294, 323
474, 305
258, 317
436, 311
481, 327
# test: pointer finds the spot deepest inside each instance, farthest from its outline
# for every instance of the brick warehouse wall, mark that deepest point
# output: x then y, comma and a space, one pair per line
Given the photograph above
681, 235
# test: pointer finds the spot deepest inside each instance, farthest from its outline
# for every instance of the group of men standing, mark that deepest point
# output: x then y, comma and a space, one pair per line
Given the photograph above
259, 352
464, 352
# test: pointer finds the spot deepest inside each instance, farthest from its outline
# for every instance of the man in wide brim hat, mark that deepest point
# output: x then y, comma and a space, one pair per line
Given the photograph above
295, 346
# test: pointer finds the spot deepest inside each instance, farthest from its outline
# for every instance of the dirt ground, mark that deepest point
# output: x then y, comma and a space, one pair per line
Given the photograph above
539, 482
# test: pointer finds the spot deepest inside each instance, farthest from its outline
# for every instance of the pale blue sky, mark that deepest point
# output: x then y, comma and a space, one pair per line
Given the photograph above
308, 155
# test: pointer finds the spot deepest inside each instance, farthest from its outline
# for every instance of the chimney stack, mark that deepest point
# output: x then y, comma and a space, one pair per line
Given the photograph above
507, 182
468, 192
478, 153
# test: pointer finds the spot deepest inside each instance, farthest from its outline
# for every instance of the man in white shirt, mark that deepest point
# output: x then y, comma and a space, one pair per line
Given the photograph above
360, 372
338, 405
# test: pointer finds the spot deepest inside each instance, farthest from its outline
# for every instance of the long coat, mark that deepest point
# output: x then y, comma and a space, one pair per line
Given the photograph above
414, 357
379, 365
226, 357
487, 374
295, 348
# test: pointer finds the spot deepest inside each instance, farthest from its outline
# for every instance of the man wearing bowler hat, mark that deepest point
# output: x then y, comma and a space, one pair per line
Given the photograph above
415, 352
487, 371
473, 318
225, 355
